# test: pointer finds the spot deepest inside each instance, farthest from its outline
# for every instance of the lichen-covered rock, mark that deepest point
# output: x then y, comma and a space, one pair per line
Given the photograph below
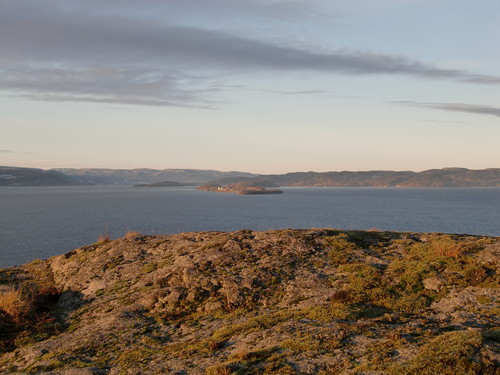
433, 283
319, 301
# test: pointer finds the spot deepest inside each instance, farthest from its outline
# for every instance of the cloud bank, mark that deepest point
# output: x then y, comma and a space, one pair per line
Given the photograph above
53, 52
456, 107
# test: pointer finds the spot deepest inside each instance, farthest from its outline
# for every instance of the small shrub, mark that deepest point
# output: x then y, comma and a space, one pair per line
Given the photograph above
446, 246
475, 274
343, 296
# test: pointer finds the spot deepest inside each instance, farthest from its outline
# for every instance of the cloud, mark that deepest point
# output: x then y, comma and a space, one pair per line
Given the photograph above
470, 108
107, 85
444, 122
302, 92
6, 151
56, 52
458, 107
296, 92
130, 41
262, 8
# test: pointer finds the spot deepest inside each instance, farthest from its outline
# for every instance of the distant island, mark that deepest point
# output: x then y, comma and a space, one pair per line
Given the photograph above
246, 187
163, 184
239, 189
445, 177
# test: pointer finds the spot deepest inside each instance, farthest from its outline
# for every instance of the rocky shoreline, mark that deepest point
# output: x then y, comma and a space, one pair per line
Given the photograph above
317, 301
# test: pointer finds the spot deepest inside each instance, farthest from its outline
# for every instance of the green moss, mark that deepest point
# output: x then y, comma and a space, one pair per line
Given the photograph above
362, 278
252, 324
219, 369
138, 356
341, 249
148, 268
213, 245
380, 352
334, 311
448, 354
266, 361
113, 262
492, 334
410, 273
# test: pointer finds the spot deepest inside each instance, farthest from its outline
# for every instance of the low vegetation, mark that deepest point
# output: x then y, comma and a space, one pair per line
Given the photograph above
25, 311
319, 301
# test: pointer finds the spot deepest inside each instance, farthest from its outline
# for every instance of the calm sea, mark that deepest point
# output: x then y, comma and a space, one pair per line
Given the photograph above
44, 221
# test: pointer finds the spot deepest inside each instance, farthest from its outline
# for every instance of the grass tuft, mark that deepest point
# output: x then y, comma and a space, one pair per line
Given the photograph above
14, 304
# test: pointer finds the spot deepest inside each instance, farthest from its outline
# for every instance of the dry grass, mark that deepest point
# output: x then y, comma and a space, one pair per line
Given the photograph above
132, 234
103, 238
447, 247
14, 304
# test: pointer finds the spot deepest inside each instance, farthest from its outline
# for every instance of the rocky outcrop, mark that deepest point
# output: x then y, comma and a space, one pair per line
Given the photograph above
317, 301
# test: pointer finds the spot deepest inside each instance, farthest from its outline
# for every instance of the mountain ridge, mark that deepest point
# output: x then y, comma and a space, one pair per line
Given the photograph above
444, 177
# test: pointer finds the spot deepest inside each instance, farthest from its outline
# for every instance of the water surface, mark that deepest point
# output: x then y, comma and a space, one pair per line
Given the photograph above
40, 222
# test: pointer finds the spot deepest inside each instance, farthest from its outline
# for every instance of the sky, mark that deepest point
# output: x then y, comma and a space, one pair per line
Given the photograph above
263, 86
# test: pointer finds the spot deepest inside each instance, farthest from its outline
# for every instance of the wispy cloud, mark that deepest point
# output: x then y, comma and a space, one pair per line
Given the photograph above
457, 107
444, 122
323, 93
302, 92
261, 8
53, 52
107, 85
470, 108
5, 151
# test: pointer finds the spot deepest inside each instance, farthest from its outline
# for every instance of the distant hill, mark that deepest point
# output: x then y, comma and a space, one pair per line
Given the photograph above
446, 177
455, 177
345, 178
14, 176
148, 176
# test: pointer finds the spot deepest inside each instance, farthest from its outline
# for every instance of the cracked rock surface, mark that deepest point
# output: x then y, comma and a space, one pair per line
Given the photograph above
316, 301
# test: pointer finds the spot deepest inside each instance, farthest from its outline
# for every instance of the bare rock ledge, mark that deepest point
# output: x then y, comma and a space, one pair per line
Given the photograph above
316, 301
